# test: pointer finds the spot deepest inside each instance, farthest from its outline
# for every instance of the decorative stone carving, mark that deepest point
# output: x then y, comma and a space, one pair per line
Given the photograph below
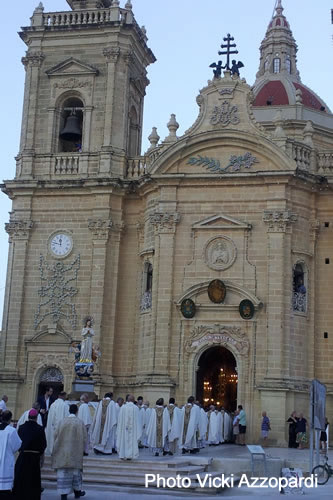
164, 222
33, 58
128, 56
56, 291
111, 54
100, 228
228, 336
235, 162
18, 229
314, 229
51, 374
224, 115
279, 221
73, 83
49, 361
220, 253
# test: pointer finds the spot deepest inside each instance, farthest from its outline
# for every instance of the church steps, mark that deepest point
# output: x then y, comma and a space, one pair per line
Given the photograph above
139, 472
113, 473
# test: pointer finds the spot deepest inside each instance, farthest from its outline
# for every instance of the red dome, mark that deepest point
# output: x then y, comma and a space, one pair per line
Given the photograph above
273, 93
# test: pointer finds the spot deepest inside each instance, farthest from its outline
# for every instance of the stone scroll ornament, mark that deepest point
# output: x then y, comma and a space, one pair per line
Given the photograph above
235, 164
57, 291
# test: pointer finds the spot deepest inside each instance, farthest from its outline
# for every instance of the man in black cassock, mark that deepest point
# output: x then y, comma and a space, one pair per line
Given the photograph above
27, 481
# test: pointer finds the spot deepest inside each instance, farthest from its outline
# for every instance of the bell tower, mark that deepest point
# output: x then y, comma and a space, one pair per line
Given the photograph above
84, 90
82, 119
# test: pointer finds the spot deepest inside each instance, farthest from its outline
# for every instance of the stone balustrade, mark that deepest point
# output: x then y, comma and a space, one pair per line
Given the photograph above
87, 17
136, 167
325, 162
66, 164
301, 153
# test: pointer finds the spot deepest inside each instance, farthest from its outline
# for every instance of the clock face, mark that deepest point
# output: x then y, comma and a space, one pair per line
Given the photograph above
61, 244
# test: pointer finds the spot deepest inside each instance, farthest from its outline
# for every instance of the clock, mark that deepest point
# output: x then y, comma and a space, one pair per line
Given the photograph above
60, 244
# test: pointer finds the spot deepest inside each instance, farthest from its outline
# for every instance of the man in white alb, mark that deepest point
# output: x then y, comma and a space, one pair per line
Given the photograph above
85, 415
128, 430
57, 413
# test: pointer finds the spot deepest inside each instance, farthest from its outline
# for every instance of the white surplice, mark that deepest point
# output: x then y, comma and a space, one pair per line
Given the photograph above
152, 429
57, 412
189, 440
145, 425
25, 417
84, 414
9, 444
102, 439
128, 431
203, 423
175, 430
213, 428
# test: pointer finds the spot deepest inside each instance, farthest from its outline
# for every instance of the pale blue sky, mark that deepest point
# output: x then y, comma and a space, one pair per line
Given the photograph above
185, 36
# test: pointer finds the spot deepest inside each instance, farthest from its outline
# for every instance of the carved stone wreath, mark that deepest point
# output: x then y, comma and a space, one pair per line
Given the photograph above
220, 253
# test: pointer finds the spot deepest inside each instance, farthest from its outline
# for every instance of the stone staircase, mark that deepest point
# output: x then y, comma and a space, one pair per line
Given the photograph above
130, 476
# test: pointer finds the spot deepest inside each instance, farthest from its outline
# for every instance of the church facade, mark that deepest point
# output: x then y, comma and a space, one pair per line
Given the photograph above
206, 263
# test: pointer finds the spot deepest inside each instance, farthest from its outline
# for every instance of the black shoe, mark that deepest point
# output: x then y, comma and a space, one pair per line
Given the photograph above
170, 453
184, 451
85, 454
165, 453
79, 494
114, 450
63, 497
192, 452
97, 452
157, 454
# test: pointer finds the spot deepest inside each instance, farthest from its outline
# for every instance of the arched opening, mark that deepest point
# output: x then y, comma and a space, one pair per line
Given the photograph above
71, 125
217, 378
133, 133
50, 377
146, 298
299, 288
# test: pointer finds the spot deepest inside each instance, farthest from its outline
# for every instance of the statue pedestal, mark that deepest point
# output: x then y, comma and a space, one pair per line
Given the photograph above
83, 386
83, 382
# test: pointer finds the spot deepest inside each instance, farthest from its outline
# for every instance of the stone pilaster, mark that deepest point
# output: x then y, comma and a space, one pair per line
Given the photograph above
111, 55
100, 229
279, 290
165, 229
18, 231
32, 63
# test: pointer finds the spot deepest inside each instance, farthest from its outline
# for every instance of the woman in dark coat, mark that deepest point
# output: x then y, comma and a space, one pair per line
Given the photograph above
292, 420
27, 481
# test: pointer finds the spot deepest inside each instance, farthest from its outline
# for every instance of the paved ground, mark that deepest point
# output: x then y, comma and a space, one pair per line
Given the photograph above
223, 452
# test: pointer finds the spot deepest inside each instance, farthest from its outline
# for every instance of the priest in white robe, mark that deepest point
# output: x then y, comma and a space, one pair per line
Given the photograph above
189, 426
202, 431
104, 426
128, 430
175, 414
84, 414
25, 416
57, 413
214, 421
145, 423
158, 428
9, 445
227, 428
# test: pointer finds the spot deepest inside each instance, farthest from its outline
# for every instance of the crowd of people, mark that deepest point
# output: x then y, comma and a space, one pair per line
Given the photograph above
69, 431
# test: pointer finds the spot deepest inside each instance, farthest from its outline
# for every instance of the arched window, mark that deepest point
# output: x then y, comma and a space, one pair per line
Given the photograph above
71, 125
299, 288
288, 64
146, 299
133, 133
276, 65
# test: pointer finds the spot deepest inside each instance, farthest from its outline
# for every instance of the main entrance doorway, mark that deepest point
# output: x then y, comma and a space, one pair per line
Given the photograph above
50, 377
217, 378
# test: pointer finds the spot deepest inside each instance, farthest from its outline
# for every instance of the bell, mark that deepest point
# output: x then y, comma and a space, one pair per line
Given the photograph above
71, 130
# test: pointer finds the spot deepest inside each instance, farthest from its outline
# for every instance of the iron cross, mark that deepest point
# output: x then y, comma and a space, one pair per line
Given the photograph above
228, 52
